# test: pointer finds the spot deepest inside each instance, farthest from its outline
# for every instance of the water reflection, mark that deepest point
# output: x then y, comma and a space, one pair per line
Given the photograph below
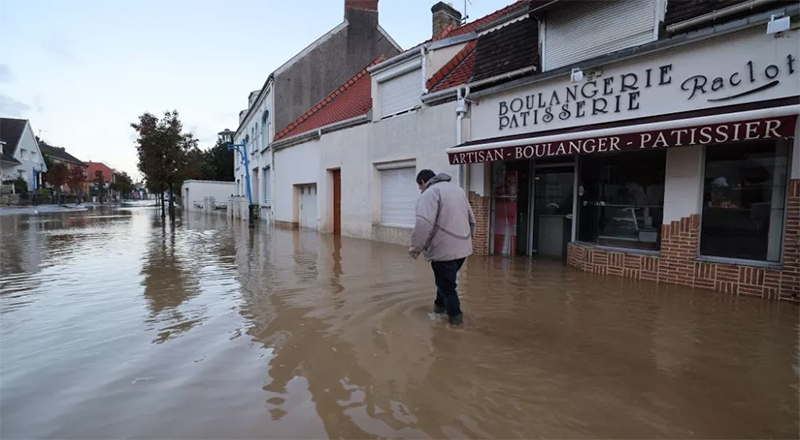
208, 329
168, 283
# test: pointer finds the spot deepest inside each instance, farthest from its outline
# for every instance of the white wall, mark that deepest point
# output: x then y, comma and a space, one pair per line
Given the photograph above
422, 136
436, 59
683, 186
258, 139
201, 191
295, 165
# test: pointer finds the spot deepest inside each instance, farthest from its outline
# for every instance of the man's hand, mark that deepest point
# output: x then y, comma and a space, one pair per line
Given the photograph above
413, 254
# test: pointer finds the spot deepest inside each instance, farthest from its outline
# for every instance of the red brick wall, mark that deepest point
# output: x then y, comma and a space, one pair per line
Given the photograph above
677, 263
481, 206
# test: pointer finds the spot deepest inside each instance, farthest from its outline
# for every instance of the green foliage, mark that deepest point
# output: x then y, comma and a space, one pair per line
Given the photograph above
198, 166
123, 184
20, 185
221, 161
163, 151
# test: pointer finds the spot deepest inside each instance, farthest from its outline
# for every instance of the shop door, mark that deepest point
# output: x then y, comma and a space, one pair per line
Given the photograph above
337, 202
308, 206
511, 208
552, 210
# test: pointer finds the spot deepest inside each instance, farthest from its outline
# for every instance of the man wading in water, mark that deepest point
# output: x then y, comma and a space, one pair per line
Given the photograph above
443, 232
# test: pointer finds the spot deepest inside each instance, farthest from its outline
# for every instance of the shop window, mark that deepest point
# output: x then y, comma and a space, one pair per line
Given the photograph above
744, 201
621, 199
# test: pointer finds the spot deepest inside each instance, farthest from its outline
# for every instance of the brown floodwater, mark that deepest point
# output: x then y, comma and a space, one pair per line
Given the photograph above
113, 325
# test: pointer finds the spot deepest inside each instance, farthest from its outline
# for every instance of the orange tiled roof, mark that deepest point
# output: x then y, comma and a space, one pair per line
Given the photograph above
456, 72
352, 99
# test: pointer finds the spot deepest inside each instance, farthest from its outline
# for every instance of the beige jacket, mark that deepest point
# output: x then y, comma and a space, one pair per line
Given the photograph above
445, 222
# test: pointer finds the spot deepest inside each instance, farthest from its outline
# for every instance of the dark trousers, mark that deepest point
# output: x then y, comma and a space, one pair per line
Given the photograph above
444, 273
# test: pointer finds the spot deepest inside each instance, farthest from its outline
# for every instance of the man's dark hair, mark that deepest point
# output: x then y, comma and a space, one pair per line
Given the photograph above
424, 176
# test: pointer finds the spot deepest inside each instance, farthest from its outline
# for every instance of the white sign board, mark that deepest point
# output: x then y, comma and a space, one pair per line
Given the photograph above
731, 69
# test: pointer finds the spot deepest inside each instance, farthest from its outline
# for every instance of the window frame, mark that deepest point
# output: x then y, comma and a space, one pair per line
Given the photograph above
790, 151
388, 166
578, 216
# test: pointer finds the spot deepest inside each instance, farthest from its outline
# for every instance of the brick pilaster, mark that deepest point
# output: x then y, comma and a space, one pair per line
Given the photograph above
481, 206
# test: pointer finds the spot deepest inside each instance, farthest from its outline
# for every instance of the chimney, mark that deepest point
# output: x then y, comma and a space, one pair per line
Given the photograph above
444, 15
355, 6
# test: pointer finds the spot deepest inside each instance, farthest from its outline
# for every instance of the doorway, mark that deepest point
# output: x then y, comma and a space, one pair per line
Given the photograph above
337, 201
511, 210
308, 206
553, 201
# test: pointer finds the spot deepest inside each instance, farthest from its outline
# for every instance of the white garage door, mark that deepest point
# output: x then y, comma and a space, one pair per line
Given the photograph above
399, 195
308, 206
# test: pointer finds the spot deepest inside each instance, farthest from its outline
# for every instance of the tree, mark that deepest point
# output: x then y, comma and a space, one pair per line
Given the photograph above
57, 174
100, 183
123, 185
75, 180
221, 161
163, 149
198, 166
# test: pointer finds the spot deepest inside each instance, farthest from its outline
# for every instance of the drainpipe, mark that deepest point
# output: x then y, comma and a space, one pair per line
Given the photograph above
461, 109
422, 54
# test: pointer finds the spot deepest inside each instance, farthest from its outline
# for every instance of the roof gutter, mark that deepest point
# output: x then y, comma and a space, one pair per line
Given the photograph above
712, 16
316, 134
542, 7
443, 94
410, 53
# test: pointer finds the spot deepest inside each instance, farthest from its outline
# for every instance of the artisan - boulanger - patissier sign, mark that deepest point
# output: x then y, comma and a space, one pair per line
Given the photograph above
732, 69
751, 130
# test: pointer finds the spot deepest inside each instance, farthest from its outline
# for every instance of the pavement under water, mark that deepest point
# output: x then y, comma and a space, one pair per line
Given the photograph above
114, 324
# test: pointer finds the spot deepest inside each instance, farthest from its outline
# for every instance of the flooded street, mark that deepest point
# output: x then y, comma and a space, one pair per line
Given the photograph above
115, 326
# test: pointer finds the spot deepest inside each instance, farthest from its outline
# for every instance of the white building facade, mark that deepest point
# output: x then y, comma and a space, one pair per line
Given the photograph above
256, 132
206, 195
20, 156
650, 143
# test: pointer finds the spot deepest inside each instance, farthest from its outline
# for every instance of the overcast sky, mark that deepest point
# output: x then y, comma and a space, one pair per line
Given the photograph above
83, 70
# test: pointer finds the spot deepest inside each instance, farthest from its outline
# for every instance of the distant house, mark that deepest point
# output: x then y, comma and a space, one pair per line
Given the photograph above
108, 173
21, 156
60, 155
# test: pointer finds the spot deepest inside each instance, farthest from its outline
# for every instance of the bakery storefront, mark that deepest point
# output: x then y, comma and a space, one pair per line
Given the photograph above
678, 166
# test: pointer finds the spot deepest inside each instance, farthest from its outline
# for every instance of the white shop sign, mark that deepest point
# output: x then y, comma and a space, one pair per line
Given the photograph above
732, 69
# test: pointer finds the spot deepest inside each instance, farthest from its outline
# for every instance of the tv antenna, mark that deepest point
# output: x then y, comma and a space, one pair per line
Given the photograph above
466, 16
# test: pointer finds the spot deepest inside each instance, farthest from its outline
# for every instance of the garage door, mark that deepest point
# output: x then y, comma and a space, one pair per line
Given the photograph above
308, 206
399, 195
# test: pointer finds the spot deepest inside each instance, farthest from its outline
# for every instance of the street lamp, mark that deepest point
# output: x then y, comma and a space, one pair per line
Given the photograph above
226, 137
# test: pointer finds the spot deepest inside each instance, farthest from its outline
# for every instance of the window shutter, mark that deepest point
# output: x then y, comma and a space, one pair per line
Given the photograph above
401, 93
267, 196
585, 30
399, 195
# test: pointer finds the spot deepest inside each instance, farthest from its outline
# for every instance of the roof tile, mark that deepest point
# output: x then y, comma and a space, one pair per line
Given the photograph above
351, 100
